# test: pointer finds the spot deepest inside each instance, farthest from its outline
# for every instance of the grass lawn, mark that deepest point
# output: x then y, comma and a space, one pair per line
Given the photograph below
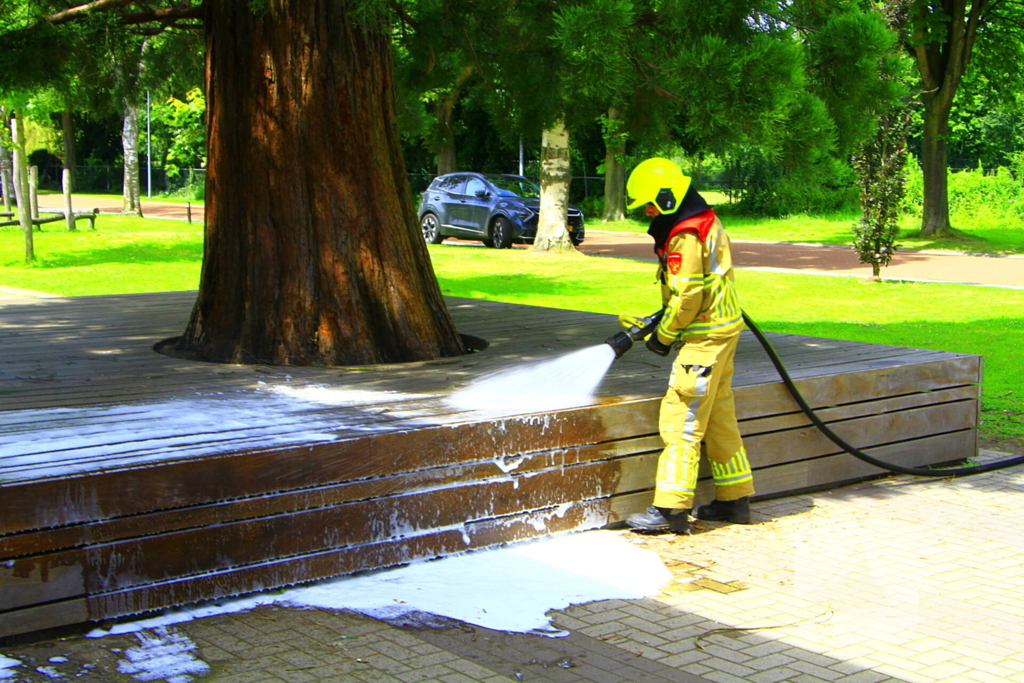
127, 255
122, 256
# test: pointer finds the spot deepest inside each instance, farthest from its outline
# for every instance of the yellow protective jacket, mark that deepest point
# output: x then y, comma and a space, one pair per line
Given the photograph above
697, 284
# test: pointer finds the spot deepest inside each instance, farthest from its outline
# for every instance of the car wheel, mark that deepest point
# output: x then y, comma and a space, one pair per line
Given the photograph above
501, 234
431, 229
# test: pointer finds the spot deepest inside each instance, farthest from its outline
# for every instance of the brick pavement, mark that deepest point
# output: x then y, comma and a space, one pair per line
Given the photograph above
896, 580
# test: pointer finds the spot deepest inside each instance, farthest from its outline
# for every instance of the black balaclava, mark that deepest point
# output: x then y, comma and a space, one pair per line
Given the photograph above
662, 224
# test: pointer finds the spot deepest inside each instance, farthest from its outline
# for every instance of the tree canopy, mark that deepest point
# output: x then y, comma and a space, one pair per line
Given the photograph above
312, 251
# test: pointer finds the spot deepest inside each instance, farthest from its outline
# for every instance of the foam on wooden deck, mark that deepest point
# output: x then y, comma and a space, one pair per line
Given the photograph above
130, 481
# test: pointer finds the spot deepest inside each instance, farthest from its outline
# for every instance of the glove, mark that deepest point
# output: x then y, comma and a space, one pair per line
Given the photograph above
655, 345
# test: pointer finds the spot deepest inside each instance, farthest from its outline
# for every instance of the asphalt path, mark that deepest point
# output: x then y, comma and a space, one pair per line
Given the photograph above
926, 266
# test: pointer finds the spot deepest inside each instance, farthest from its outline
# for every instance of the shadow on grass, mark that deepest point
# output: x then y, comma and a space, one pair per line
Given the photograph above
514, 287
138, 253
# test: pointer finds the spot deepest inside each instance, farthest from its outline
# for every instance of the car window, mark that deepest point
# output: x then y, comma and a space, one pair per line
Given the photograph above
475, 185
513, 186
453, 184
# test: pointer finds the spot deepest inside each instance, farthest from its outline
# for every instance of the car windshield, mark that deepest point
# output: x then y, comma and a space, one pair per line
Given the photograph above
513, 186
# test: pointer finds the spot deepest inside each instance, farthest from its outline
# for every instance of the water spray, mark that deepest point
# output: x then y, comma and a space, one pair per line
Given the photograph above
623, 341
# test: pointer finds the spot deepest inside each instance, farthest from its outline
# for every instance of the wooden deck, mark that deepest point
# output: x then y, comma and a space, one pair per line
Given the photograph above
130, 481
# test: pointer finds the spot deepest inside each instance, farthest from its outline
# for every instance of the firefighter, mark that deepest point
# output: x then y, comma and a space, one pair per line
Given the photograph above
702, 318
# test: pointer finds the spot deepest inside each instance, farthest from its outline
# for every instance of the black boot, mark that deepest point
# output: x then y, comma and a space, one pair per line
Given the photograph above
661, 519
735, 511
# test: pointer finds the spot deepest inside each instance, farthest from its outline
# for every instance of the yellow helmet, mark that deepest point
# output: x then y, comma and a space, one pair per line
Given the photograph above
659, 182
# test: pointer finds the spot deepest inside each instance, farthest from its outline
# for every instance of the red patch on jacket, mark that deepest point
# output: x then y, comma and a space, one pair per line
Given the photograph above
700, 225
674, 261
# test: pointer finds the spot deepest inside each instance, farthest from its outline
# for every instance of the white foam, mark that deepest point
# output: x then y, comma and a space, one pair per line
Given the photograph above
558, 383
508, 589
163, 654
7, 667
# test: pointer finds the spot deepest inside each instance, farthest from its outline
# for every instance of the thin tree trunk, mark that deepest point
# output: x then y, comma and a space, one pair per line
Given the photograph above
33, 190
6, 178
447, 160
614, 170
555, 178
313, 255
68, 127
445, 112
6, 165
131, 202
21, 185
935, 169
941, 39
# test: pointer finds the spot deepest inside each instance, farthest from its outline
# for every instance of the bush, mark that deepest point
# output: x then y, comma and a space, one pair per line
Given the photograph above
819, 189
976, 196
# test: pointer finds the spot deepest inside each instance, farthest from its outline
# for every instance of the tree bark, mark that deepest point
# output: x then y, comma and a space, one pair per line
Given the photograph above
313, 255
445, 112
21, 185
447, 159
68, 128
935, 169
614, 170
555, 178
131, 201
6, 165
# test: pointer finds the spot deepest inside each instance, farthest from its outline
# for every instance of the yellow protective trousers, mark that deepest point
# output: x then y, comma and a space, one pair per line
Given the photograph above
699, 406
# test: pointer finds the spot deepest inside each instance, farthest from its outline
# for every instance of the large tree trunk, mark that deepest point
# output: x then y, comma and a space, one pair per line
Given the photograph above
68, 127
555, 178
131, 201
614, 169
935, 168
313, 255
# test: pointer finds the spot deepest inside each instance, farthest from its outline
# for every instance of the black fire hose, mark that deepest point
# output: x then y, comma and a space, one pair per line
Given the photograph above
839, 441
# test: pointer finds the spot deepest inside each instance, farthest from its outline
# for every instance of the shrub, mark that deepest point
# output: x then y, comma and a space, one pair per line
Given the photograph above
981, 198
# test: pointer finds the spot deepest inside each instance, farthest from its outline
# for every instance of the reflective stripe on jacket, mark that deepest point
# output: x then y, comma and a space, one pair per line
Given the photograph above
698, 288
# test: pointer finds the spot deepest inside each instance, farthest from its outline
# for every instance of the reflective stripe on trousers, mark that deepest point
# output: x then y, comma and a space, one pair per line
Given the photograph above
699, 406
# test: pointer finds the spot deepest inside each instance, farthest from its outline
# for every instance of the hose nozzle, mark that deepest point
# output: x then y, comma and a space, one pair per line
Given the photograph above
623, 341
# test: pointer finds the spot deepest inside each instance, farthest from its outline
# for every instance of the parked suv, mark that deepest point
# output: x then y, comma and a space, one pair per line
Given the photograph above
497, 209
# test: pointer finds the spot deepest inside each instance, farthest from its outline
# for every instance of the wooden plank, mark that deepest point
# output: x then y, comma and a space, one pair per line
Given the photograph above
829, 471
801, 443
221, 512
110, 566
838, 470
295, 570
41, 617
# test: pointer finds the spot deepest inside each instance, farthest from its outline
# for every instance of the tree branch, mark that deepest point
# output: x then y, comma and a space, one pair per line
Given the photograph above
167, 15
82, 10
